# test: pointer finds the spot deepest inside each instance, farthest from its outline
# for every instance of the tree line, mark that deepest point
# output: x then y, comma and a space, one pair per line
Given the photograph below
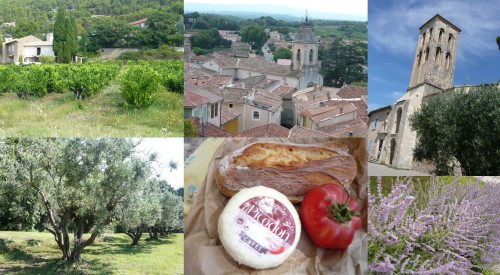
111, 29
84, 186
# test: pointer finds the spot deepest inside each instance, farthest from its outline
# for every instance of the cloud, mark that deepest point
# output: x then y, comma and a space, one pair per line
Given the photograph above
397, 95
393, 25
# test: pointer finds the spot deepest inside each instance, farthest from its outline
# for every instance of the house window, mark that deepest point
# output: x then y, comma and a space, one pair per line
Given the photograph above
375, 124
212, 111
38, 51
231, 105
311, 53
298, 55
216, 109
256, 115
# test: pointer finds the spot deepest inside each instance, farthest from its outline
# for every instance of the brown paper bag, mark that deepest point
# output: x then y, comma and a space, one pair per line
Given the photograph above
204, 253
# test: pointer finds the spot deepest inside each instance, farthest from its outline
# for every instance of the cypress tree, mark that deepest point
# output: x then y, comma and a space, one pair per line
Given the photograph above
59, 32
65, 37
73, 42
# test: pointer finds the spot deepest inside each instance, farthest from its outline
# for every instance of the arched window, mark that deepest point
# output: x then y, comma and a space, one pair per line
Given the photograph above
448, 60
393, 149
438, 56
423, 40
430, 36
450, 41
419, 58
398, 119
298, 55
426, 54
422, 37
311, 56
441, 32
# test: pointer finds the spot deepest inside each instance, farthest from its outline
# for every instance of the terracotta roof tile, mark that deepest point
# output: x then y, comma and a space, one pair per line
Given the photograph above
267, 101
255, 64
350, 91
140, 21
233, 95
357, 126
201, 92
298, 131
268, 130
210, 130
228, 114
216, 82
193, 100
326, 112
357, 130
284, 91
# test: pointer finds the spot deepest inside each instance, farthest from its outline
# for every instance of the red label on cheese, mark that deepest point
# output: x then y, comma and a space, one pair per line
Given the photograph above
265, 225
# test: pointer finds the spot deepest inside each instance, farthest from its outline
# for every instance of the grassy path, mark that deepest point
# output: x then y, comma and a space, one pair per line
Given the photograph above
37, 253
60, 115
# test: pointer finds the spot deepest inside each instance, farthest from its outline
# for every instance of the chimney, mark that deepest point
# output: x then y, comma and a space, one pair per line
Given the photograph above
50, 37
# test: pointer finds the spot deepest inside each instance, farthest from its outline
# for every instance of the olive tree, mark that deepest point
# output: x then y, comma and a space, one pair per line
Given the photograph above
172, 212
140, 212
461, 124
80, 183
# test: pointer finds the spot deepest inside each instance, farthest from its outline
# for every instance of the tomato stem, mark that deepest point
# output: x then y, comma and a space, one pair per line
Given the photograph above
339, 211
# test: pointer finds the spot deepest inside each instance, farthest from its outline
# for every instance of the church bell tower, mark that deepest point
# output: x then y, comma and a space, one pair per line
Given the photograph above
436, 54
305, 54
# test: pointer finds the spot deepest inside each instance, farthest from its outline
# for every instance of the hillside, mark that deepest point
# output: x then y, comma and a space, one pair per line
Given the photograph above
106, 23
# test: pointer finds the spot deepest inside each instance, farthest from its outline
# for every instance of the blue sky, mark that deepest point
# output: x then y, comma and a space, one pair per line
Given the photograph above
393, 30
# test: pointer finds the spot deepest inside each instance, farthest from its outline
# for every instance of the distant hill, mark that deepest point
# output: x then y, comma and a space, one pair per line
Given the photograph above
255, 11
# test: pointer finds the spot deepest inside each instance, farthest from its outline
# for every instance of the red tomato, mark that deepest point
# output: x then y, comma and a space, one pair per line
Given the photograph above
330, 216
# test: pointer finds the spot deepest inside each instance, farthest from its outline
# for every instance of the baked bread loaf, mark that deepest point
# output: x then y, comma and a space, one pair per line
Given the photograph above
292, 169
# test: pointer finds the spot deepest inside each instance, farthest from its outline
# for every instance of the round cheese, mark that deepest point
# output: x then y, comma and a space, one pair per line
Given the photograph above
259, 227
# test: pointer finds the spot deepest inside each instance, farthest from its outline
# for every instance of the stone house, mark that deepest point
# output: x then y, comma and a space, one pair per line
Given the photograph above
211, 104
229, 119
274, 35
326, 115
195, 105
377, 131
140, 23
27, 50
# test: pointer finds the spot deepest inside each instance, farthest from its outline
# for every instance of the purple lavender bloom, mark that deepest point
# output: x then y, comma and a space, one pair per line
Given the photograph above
435, 227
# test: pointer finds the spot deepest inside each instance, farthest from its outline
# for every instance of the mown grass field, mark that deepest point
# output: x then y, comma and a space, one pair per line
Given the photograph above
37, 253
60, 115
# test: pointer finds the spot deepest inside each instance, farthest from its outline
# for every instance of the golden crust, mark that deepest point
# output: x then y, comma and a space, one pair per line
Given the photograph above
292, 169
